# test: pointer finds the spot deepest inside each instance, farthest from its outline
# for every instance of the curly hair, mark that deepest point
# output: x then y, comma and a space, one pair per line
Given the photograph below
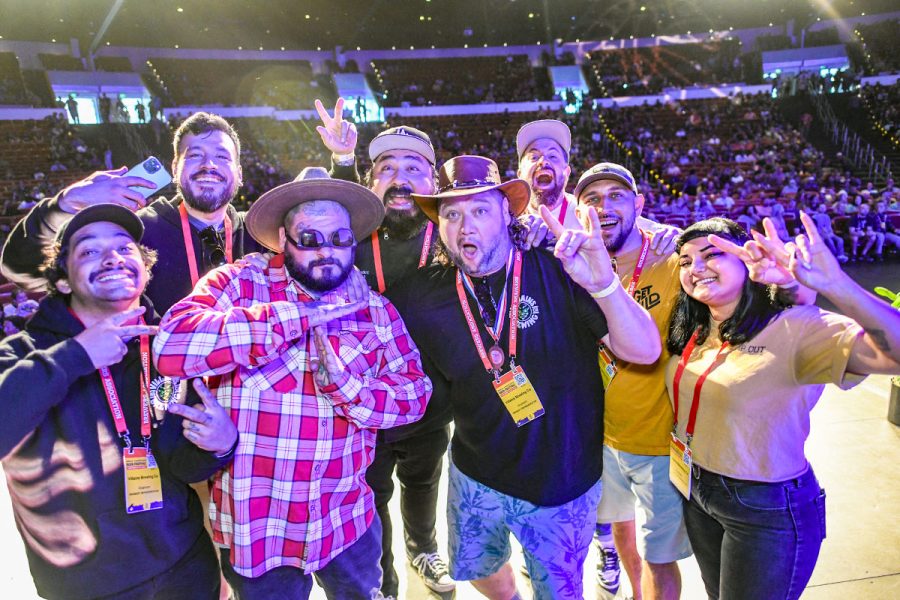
517, 235
54, 267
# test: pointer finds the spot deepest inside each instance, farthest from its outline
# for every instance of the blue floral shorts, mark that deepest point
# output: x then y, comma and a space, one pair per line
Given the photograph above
555, 539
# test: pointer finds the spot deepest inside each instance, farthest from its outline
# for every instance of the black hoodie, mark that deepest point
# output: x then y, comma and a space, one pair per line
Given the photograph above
63, 465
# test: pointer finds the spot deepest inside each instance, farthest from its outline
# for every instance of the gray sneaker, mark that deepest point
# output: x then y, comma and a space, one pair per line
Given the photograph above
607, 567
434, 572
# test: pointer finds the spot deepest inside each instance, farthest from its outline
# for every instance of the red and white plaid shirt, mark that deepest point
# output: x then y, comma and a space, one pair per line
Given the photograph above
295, 494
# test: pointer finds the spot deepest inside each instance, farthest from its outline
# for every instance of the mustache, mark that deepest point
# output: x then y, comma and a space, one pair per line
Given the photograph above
322, 262
98, 274
400, 190
206, 171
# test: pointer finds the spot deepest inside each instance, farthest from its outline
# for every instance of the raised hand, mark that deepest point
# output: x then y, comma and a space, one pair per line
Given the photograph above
208, 426
537, 231
810, 261
320, 313
662, 240
765, 256
582, 252
105, 187
338, 135
105, 340
260, 260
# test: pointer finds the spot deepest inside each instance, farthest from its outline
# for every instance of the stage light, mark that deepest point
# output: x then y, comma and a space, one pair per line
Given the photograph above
307, 16
421, 17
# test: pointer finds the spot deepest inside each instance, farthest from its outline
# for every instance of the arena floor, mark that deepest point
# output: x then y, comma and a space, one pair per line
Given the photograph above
853, 448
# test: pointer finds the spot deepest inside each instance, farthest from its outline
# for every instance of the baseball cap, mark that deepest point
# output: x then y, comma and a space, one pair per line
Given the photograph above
606, 170
105, 212
544, 128
402, 138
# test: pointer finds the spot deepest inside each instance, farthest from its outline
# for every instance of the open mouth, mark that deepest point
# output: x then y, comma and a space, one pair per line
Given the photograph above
468, 250
207, 177
705, 281
544, 178
114, 276
609, 222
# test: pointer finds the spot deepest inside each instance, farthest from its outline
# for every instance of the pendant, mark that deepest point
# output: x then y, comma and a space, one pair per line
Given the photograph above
496, 356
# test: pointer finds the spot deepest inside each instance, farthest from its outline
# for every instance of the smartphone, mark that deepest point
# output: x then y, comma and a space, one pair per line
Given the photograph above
153, 170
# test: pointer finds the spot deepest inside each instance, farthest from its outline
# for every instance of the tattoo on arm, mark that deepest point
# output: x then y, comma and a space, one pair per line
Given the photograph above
880, 339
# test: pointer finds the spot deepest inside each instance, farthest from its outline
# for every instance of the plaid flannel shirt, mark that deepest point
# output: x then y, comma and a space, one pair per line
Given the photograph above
295, 494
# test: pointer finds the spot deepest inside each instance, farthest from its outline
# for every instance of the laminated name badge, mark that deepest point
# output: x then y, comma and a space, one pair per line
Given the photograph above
143, 486
608, 367
518, 396
680, 461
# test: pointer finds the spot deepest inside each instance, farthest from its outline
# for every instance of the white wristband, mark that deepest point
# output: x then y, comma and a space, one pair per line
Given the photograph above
343, 160
613, 286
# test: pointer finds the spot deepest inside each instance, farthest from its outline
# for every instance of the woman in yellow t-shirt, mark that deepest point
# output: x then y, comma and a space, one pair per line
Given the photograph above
746, 370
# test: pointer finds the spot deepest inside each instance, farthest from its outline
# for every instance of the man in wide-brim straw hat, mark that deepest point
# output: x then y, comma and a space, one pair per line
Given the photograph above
512, 335
312, 362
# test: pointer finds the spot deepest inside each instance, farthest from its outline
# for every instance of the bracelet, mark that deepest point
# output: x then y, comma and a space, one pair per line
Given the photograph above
613, 286
343, 160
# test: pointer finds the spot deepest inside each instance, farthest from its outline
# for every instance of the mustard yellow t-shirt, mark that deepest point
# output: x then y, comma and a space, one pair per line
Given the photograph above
753, 418
638, 415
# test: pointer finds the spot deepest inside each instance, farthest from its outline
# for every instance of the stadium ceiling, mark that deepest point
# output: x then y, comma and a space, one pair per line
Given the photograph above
379, 24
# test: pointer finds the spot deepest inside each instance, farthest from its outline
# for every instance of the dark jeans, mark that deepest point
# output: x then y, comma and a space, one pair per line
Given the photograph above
418, 461
354, 574
755, 540
194, 577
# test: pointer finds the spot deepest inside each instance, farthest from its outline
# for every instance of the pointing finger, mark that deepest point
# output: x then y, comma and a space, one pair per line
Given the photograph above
128, 332
126, 316
728, 246
552, 222
206, 395
323, 114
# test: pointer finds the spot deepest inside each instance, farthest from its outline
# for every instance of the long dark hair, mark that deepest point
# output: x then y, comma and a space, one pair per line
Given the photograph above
758, 305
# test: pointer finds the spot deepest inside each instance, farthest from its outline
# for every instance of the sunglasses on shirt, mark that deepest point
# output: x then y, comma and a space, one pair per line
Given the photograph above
312, 238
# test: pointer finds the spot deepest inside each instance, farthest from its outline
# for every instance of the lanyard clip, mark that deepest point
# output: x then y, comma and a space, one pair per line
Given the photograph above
146, 440
496, 375
512, 362
127, 439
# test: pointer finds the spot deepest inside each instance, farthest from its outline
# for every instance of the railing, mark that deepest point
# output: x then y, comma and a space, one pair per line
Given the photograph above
853, 147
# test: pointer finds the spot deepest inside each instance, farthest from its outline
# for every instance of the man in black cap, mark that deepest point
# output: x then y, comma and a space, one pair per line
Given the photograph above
97, 471
402, 164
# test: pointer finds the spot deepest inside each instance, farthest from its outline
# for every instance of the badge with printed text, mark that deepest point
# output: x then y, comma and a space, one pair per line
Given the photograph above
519, 396
143, 486
163, 391
680, 461
608, 367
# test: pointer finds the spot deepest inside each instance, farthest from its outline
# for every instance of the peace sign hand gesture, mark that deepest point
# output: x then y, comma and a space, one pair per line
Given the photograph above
207, 425
582, 252
338, 135
765, 256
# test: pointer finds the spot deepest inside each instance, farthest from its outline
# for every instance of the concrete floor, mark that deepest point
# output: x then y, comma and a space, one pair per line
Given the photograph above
854, 449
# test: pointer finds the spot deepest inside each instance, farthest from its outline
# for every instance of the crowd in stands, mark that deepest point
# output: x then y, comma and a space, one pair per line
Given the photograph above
883, 103
282, 84
12, 88
637, 71
443, 81
880, 41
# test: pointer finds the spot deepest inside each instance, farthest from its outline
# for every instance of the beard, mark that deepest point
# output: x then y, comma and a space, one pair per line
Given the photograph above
402, 224
492, 259
303, 274
616, 243
547, 197
207, 201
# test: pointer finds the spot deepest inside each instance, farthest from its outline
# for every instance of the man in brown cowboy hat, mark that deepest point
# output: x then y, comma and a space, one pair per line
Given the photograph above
523, 381
311, 363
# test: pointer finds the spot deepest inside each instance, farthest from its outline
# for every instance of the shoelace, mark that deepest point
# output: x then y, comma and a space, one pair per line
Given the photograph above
610, 560
433, 561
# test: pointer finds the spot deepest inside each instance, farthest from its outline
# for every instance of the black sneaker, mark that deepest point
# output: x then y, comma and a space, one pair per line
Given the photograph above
434, 572
608, 567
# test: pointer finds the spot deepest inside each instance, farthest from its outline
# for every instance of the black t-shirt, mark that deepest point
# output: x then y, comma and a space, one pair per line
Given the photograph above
398, 257
556, 457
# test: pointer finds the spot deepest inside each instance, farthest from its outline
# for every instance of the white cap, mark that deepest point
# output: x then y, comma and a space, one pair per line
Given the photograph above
545, 128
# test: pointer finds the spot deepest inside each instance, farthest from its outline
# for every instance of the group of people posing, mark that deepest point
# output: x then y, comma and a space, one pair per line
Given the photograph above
334, 331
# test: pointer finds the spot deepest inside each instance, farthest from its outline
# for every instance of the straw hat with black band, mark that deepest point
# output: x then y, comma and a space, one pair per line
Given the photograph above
469, 175
266, 215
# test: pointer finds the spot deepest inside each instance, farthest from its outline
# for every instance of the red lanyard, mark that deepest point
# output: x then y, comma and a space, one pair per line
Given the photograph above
376, 254
639, 267
115, 405
695, 403
189, 242
513, 314
562, 211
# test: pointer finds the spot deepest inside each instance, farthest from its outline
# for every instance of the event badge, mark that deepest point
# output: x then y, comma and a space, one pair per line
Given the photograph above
143, 486
608, 367
518, 396
164, 391
680, 461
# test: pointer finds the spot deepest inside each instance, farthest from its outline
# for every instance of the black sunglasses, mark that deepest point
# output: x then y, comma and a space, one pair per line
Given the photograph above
312, 238
212, 242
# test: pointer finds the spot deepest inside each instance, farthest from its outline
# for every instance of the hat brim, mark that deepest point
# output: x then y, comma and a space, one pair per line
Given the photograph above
104, 212
517, 191
592, 178
266, 215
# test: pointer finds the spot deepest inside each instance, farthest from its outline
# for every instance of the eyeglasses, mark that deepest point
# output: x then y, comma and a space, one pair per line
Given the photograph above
313, 238
212, 242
